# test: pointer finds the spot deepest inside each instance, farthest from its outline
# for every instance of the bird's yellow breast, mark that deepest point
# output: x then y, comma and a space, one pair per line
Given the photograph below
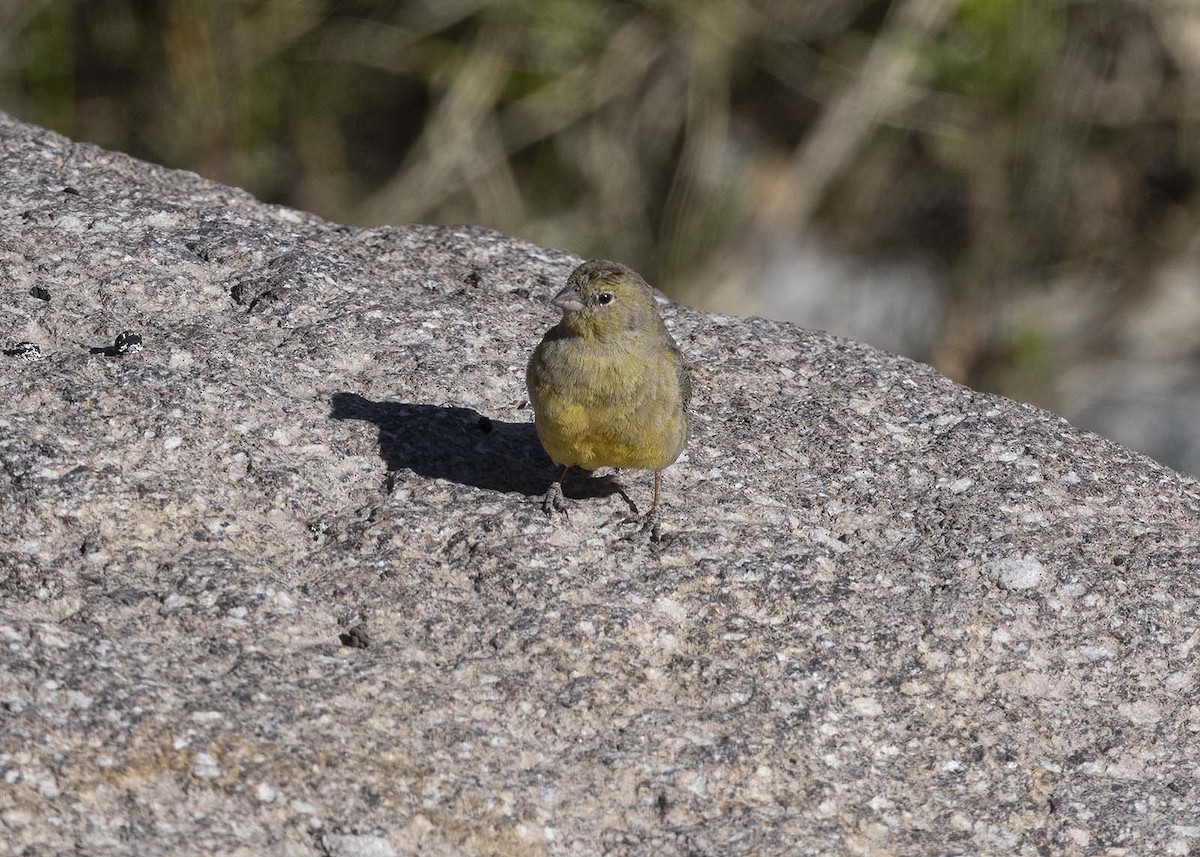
608, 404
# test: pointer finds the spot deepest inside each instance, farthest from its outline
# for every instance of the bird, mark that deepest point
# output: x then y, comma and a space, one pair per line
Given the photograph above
608, 384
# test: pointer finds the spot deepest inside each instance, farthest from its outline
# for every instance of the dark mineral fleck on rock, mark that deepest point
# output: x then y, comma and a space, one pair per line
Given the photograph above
357, 637
127, 342
24, 351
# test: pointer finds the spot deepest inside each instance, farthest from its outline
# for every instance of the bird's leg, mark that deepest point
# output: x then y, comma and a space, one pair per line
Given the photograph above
633, 509
650, 527
553, 501
654, 517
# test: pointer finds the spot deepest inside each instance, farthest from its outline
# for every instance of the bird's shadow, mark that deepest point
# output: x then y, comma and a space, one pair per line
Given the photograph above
463, 446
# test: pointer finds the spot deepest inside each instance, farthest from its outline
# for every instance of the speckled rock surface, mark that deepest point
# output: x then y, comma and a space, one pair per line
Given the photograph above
279, 583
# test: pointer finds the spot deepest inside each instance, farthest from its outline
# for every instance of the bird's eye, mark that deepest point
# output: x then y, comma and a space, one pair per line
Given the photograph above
605, 298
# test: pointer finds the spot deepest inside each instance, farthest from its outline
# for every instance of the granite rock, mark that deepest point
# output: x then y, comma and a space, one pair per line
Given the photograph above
279, 581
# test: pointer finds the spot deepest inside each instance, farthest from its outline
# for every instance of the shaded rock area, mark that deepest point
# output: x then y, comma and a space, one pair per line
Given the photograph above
279, 581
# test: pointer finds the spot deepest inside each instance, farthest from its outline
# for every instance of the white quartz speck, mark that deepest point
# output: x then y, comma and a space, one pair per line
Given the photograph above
1016, 572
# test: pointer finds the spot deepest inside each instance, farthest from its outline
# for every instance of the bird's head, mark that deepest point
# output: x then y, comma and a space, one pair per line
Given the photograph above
605, 299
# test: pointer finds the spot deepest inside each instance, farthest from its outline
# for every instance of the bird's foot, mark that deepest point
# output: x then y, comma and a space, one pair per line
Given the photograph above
554, 501
649, 528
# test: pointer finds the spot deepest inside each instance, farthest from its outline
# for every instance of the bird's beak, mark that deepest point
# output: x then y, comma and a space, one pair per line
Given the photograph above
568, 299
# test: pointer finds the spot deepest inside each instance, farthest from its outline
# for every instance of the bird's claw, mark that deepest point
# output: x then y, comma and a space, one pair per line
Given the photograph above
554, 501
649, 528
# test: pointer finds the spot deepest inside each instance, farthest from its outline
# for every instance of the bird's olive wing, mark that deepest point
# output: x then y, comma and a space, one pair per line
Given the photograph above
683, 375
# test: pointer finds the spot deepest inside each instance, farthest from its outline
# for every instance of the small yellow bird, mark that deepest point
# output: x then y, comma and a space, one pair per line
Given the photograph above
608, 384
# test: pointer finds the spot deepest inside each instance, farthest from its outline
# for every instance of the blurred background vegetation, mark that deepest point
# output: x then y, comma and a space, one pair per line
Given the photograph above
1004, 188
